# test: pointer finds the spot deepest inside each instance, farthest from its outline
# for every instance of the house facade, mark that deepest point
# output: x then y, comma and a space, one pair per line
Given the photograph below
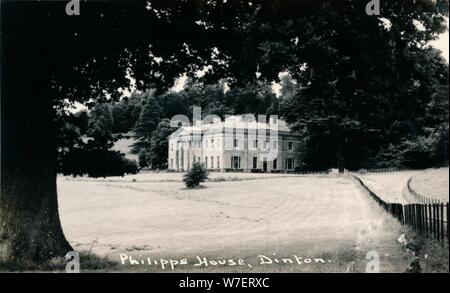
239, 143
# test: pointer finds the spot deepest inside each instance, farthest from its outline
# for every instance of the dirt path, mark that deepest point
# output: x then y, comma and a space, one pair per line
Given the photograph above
311, 216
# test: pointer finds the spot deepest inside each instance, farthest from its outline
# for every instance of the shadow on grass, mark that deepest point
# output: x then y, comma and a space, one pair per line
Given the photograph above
88, 263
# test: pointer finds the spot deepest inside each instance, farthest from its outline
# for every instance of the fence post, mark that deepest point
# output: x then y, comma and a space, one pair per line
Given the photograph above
446, 207
422, 223
406, 214
442, 222
430, 219
403, 214
416, 206
435, 223
420, 218
409, 215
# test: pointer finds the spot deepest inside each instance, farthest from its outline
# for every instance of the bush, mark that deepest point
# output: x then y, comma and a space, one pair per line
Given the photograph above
96, 163
143, 159
195, 176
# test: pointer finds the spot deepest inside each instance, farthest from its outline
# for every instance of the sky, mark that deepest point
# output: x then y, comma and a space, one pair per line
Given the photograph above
442, 44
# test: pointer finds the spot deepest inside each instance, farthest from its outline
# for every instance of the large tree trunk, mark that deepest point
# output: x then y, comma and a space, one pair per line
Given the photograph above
30, 229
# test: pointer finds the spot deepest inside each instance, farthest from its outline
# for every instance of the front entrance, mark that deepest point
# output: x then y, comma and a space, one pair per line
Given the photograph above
265, 165
235, 162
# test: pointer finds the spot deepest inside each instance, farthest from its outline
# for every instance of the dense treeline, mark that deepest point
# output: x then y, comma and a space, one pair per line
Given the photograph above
400, 136
363, 92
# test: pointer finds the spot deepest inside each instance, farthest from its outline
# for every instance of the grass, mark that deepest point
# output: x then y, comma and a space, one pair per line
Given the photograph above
432, 255
389, 186
239, 216
89, 262
124, 146
433, 183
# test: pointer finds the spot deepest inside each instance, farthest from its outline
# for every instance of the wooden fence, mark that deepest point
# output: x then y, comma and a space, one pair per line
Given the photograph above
378, 170
427, 219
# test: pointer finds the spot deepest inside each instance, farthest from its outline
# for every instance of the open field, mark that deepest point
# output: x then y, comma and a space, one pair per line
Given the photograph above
432, 183
323, 218
390, 186
124, 145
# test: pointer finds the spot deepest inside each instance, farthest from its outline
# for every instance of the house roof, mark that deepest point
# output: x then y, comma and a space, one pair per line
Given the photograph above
239, 122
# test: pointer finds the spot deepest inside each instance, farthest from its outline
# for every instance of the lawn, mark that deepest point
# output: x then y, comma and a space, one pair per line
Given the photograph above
432, 183
321, 223
390, 186
124, 146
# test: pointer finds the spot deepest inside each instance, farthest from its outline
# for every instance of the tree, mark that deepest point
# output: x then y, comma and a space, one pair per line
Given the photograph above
119, 118
251, 98
147, 123
101, 121
195, 176
50, 57
126, 112
143, 160
80, 120
159, 144
95, 161
363, 82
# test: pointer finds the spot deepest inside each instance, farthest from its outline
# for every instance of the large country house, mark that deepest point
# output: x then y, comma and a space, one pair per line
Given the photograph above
239, 143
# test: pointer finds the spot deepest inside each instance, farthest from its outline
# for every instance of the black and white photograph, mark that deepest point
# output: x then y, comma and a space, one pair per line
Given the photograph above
224, 136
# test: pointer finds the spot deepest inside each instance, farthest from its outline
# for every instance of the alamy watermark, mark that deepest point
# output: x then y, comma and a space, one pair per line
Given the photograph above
73, 7
242, 132
73, 266
373, 7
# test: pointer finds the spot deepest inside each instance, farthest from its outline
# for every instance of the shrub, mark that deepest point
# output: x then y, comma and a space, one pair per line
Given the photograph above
96, 163
195, 176
143, 159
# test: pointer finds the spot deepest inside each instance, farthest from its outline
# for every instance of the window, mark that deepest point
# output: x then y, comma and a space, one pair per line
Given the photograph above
235, 143
212, 143
206, 162
255, 143
171, 163
289, 163
275, 162
255, 162
235, 162
290, 145
171, 146
218, 162
212, 162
